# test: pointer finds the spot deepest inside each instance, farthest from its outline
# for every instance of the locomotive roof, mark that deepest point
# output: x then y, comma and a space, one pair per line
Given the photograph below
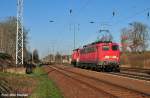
97, 43
94, 43
101, 42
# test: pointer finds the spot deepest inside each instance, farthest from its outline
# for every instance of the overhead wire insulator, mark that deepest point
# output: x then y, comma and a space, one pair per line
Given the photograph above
70, 11
148, 15
91, 22
113, 13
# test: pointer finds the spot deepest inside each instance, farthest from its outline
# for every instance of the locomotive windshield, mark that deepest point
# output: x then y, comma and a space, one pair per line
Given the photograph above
115, 47
105, 48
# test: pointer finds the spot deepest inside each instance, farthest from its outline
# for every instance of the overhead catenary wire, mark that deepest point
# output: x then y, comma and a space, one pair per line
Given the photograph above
134, 15
72, 14
126, 18
114, 13
83, 7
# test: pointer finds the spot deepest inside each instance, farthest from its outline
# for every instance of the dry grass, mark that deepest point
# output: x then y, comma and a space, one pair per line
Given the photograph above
35, 85
20, 84
16, 70
139, 60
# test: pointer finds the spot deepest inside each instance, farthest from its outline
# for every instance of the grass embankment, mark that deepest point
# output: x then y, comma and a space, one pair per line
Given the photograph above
36, 85
46, 87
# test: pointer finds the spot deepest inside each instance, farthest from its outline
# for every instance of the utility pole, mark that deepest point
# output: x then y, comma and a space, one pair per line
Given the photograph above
19, 37
74, 29
1, 38
74, 37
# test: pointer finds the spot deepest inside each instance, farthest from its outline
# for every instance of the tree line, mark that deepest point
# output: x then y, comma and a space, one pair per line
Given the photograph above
8, 36
8, 29
57, 58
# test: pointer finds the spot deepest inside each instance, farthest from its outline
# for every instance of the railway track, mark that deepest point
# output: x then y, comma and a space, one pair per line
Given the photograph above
67, 73
135, 75
140, 70
100, 85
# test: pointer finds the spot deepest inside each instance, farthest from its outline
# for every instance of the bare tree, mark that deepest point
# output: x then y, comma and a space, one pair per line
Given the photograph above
137, 36
8, 36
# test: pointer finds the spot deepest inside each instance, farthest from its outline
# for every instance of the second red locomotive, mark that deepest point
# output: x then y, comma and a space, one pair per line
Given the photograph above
101, 56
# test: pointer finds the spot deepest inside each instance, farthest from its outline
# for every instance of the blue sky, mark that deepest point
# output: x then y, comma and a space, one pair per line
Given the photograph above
44, 35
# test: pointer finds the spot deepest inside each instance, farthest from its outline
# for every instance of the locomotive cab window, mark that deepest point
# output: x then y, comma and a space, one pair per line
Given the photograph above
105, 48
115, 47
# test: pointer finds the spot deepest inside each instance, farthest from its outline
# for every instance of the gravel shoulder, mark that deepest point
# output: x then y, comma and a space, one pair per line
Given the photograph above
71, 88
75, 89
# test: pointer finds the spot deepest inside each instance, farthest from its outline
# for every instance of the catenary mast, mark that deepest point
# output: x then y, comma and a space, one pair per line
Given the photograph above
19, 36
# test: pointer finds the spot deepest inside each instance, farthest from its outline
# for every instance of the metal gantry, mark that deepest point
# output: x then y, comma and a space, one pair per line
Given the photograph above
19, 37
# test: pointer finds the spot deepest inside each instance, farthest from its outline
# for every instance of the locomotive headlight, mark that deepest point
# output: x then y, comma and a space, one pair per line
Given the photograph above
106, 57
114, 57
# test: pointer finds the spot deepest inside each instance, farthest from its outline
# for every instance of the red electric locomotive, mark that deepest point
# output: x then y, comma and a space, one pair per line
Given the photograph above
102, 56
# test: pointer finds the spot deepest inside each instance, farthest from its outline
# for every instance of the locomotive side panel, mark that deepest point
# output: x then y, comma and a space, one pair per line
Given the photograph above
88, 55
